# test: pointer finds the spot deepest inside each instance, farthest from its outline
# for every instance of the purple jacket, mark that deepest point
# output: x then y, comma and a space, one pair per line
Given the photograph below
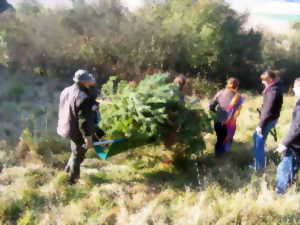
75, 119
220, 103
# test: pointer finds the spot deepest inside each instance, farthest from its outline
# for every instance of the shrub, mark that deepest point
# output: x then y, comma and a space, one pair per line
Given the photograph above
71, 193
16, 91
32, 199
46, 148
62, 179
209, 37
36, 178
203, 87
11, 211
27, 219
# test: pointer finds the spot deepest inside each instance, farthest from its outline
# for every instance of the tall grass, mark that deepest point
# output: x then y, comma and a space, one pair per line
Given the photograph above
140, 188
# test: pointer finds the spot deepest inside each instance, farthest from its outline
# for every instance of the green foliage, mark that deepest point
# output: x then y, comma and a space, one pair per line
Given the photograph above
209, 37
36, 178
71, 193
16, 91
281, 53
27, 219
11, 211
42, 147
32, 199
153, 111
62, 179
202, 87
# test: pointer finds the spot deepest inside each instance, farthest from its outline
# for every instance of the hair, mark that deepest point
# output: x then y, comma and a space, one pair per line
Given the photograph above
269, 74
233, 83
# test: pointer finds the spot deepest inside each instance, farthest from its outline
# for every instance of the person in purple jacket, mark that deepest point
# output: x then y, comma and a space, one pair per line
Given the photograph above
227, 105
290, 148
269, 115
76, 121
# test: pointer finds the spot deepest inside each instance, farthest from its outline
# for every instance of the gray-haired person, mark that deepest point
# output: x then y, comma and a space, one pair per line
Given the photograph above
75, 121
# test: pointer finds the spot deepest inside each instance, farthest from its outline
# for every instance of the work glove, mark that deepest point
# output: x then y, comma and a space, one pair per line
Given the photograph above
281, 149
259, 131
88, 142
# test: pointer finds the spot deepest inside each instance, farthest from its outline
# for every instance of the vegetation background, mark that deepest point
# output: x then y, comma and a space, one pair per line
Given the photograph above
40, 48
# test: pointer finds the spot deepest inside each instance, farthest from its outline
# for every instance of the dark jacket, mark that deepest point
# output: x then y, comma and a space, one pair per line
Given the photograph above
272, 104
93, 93
292, 140
75, 113
220, 102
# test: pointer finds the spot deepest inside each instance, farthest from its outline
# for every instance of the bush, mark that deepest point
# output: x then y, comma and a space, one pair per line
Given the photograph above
62, 179
11, 211
45, 148
32, 199
71, 193
152, 111
203, 88
36, 178
107, 38
27, 219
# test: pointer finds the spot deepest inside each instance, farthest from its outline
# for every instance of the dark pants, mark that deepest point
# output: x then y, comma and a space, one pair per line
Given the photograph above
77, 157
221, 131
98, 134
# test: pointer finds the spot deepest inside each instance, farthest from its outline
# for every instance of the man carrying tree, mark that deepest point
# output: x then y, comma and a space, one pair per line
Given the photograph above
269, 114
290, 148
76, 121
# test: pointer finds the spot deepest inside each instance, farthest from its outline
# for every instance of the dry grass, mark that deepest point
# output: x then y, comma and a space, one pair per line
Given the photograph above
134, 189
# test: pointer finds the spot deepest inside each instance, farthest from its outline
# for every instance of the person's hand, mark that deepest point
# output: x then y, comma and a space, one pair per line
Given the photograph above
259, 131
88, 142
281, 149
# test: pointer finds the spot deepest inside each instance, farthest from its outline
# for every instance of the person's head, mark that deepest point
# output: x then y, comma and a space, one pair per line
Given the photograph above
232, 83
84, 78
181, 81
268, 77
296, 88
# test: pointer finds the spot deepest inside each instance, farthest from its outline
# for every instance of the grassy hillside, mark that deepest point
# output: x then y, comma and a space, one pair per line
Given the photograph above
140, 187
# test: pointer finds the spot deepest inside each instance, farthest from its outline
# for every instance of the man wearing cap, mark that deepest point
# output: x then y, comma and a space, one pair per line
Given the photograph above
76, 121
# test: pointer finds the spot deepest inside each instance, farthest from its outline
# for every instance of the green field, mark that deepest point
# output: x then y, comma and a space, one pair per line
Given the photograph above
282, 17
141, 187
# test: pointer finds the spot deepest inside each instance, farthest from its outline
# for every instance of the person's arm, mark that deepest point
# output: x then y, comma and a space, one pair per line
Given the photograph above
268, 108
214, 102
294, 131
85, 119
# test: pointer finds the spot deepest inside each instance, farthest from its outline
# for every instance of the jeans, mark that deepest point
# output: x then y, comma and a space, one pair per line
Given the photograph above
221, 131
259, 145
287, 170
